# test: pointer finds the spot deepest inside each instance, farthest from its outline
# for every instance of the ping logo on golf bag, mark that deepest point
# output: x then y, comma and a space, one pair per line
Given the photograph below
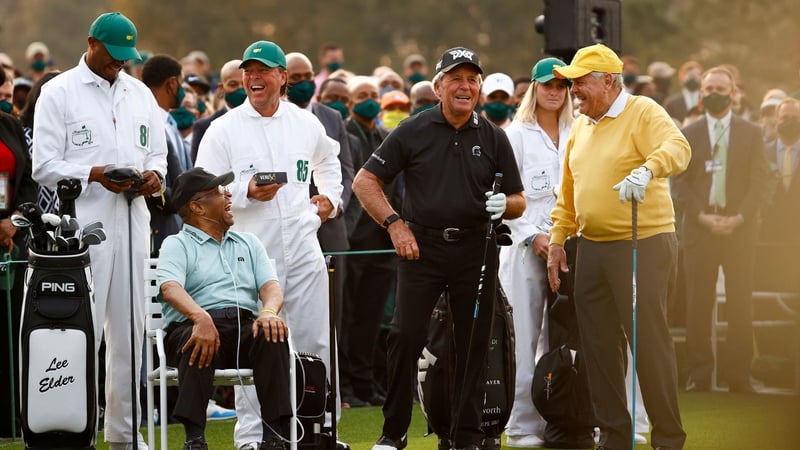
58, 285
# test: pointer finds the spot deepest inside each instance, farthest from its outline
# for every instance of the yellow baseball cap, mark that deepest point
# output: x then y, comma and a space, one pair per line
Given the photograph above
594, 58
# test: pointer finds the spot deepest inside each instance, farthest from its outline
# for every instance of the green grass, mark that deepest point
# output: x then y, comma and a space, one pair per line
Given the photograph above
713, 421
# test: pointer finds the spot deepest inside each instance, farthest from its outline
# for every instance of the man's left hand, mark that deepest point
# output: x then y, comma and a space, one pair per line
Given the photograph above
324, 206
634, 185
151, 183
275, 329
495, 204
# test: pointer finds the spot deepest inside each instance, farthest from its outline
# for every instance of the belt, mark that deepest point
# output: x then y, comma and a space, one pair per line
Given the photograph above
230, 313
451, 234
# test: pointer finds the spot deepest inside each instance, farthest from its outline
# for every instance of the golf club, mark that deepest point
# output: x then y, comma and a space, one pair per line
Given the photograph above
32, 212
51, 219
125, 175
634, 226
498, 179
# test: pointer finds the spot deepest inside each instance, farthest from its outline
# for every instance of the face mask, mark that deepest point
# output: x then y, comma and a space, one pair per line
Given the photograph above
201, 106
6, 106
423, 108
393, 118
236, 97
416, 77
789, 130
496, 111
179, 96
339, 106
301, 92
629, 79
716, 103
333, 66
691, 85
368, 109
38, 65
183, 117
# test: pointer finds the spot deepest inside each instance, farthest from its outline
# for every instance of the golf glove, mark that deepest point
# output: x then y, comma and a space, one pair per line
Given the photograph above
495, 204
633, 186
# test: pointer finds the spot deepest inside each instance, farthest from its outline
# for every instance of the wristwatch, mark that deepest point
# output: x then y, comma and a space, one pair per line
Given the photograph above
390, 220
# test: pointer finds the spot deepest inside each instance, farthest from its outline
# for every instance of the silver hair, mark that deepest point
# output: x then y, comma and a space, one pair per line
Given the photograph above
616, 78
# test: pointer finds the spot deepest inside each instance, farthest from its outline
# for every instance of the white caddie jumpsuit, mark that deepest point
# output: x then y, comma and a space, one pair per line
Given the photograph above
522, 273
293, 141
82, 121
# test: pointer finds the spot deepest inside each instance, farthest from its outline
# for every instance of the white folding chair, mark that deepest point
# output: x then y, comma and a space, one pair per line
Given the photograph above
164, 376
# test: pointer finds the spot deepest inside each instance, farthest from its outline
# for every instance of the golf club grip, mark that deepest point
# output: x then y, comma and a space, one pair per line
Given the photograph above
498, 181
634, 221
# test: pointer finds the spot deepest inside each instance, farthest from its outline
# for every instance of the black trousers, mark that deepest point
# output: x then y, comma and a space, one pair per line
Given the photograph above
369, 279
603, 306
455, 266
269, 361
735, 254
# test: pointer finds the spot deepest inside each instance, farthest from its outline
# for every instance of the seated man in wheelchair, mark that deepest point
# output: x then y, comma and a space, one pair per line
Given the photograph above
220, 300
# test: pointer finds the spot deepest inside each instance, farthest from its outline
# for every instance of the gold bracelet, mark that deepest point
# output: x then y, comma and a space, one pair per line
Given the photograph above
271, 311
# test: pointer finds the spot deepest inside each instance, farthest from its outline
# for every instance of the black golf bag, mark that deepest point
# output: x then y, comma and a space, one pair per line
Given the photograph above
437, 367
560, 387
58, 376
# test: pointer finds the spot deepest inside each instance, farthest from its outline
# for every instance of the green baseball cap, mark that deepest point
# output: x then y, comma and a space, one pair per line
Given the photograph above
118, 35
542, 72
265, 52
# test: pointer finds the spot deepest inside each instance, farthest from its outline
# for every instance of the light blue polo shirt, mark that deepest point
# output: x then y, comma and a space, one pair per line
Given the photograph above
215, 275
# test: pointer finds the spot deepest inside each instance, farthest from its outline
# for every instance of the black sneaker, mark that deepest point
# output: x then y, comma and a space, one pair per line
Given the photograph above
196, 444
386, 443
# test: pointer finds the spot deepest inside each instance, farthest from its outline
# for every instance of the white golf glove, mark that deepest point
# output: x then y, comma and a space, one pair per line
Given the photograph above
633, 186
495, 204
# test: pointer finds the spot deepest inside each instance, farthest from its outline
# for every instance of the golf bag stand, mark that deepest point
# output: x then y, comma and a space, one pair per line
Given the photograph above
58, 369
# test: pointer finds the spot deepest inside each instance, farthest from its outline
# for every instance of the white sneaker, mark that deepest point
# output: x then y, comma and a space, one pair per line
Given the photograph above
524, 441
639, 438
216, 412
250, 446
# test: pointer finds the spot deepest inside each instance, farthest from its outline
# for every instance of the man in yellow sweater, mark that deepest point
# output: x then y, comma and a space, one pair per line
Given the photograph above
629, 144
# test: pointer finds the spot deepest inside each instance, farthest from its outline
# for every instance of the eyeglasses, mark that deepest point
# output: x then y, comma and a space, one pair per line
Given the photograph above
221, 190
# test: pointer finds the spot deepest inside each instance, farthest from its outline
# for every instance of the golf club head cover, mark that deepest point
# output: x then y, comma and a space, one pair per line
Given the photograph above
68, 190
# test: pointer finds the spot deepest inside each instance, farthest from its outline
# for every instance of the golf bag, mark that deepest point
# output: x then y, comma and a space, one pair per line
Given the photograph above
437, 368
58, 376
560, 387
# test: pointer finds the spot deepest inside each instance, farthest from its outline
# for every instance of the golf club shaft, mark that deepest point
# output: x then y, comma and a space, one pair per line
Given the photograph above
634, 244
134, 397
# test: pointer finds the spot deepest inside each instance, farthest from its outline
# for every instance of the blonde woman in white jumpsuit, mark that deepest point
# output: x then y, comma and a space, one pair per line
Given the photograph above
538, 136
86, 118
265, 134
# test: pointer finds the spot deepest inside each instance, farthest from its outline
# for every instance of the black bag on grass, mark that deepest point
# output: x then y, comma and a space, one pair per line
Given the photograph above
436, 368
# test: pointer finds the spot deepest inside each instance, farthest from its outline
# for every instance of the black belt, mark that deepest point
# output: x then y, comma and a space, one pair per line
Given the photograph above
230, 313
451, 234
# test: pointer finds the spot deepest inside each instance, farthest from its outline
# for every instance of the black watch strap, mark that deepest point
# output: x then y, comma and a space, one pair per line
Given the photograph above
390, 220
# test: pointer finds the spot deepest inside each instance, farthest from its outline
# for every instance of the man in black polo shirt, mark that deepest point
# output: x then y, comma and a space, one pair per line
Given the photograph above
449, 156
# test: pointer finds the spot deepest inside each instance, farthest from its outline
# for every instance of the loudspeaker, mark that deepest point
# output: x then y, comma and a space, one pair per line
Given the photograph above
572, 24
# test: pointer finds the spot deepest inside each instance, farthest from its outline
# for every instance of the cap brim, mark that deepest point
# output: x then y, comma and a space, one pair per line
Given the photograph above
544, 78
571, 72
122, 53
264, 61
222, 180
453, 66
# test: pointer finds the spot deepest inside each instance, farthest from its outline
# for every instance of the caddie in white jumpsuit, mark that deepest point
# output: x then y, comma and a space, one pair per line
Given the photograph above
265, 134
89, 117
538, 136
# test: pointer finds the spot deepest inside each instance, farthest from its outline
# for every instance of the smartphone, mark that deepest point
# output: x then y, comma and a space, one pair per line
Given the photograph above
263, 178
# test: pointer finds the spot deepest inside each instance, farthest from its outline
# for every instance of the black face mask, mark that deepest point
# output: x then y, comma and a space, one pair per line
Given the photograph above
692, 84
716, 103
789, 130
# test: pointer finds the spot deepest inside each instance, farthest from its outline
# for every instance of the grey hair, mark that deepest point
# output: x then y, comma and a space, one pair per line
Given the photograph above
616, 78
